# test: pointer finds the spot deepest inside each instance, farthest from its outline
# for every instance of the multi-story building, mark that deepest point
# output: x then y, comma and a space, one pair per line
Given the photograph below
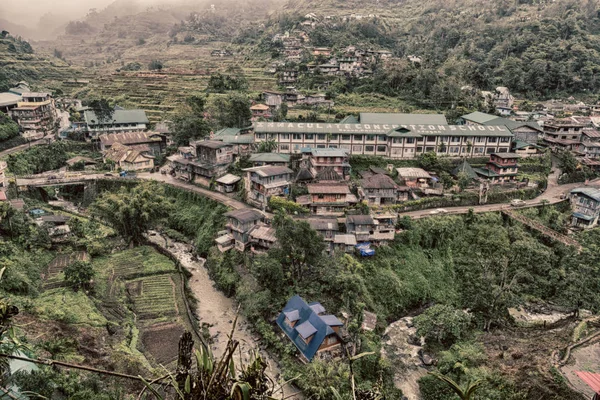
387, 140
212, 158
327, 227
321, 159
261, 183
129, 159
260, 111
327, 198
240, 223
35, 114
361, 226
526, 131
381, 190
501, 167
585, 203
384, 229
563, 134
120, 121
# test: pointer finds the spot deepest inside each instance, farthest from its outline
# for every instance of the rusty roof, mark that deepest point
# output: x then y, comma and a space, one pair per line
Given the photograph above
328, 188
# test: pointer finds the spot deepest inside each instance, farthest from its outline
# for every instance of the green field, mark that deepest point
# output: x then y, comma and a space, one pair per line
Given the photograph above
134, 263
153, 297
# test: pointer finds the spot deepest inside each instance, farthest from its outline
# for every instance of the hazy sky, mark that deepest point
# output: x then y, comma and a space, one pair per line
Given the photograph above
28, 12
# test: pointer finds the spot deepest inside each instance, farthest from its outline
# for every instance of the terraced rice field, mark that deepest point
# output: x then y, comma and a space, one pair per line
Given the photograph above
134, 263
154, 297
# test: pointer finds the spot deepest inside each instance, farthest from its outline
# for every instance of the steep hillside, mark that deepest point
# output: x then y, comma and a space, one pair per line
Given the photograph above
19, 62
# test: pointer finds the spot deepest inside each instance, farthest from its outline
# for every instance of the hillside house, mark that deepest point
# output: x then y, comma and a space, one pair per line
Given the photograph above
128, 159
585, 203
327, 198
315, 334
35, 114
242, 139
227, 183
381, 190
240, 224
322, 51
212, 159
10, 99
361, 226
326, 227
273, 159
344, 242
323, 159
329, 69
414, 177
153, 143
563, 134
262, 238
525, 149
260, 111
120, 121
288, 76
501, 168
263, 182
384, 228
273, 99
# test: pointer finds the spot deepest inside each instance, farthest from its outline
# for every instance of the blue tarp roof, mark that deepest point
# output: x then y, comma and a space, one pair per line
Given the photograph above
309, 324
583, 216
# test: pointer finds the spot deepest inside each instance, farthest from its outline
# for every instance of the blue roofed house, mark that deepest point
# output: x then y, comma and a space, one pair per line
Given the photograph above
314, 333
585, 203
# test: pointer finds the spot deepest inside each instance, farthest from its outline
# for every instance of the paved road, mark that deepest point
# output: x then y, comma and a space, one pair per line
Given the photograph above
23, 147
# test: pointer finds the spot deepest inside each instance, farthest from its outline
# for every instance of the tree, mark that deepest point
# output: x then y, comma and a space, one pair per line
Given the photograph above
429, 161
446, 180
300, 247
567, 163
79, 275
132, 211
155, 65
102, 109
267, 146
231, 110
463, 180
189, 123
281, 113
464, 393
443, 324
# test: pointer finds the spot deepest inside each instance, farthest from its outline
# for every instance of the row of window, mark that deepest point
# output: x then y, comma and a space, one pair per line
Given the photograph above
381, 138
419, 149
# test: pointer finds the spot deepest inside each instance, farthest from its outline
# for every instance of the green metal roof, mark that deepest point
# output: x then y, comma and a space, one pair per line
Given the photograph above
479, 117
485, 172
465, 168
349, 119
493, 120
234, 136
403, 119
519, 144
118, 117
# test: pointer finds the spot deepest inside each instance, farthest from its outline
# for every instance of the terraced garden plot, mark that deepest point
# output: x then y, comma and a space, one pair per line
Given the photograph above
134, 263
162, 341
53, 277
153, 297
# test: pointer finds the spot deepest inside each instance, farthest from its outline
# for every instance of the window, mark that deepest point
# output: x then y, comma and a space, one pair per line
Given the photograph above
431, 139
479, 150
345, 137
370, 138
369, 149
321, 146
321, 196
502, 150
356, 149
492, 140
410, 140
309, 136
381, 149
456, 139
504, 139
419, 149
321, 136
284, 136
480, 139
397, 140
297, 136
284, 147
429, 148
420, 140
260, 135
345, 146
444, 139
333, 137
382, 138
396, 151
491, 150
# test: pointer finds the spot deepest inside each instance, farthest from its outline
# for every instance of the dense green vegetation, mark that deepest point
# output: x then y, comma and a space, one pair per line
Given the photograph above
40, 159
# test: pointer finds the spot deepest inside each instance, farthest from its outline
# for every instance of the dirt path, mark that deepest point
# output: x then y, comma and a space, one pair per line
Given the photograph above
217, 310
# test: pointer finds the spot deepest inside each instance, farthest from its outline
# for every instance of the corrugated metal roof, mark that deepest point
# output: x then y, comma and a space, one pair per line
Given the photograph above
270, 157
264, 233
317, 307
360, 219
128, 138
591, 379
588, 191
245, 215
412, 173
506, 155
306, 329
330, 152
347, 239
331, 320
326, 188
378, 181
228, 179
269, 170
479, 117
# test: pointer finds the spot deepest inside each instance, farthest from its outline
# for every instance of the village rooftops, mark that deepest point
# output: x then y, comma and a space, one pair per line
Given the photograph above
263, 232
360, 219
346, 239
327, 188
378, 181
260, 107
210, 144
390, 130
493, 120
403, 119
323, 224
413, 173
130, 138
235, 135
245, 215
228, 179
589, 192
269, 170
118, 117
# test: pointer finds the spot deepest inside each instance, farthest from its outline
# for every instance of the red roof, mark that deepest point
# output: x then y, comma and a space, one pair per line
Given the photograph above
591, 379
3, 196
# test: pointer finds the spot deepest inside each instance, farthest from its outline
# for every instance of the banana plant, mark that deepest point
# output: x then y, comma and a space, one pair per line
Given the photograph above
464, 393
